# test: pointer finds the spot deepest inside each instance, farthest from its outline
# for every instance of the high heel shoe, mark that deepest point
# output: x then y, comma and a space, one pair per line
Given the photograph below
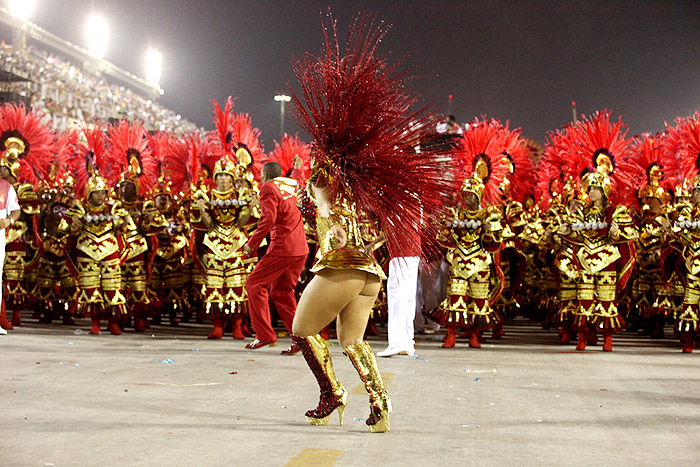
333, 394
363, 360
326, 405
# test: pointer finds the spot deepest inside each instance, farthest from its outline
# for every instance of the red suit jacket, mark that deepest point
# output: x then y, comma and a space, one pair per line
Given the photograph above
281, 218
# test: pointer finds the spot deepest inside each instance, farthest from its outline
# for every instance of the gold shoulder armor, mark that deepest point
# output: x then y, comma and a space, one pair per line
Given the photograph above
621, 216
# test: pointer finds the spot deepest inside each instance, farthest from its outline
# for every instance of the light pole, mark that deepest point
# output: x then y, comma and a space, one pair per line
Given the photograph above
282, 98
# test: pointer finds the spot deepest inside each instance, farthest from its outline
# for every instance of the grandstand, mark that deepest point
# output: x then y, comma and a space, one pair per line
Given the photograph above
62, 80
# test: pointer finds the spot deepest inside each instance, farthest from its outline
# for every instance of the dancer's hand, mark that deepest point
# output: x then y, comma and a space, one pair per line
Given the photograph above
614, 229
248, 250
340, 235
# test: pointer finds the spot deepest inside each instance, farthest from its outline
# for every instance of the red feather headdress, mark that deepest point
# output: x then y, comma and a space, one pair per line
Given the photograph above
130, 157
481, 154
650, 171
285, 152
684, 142
89, 161
522, 176
602, 142
559, 172
183, 163
245, 136
27, 144
224, 153
158, 143
356, 108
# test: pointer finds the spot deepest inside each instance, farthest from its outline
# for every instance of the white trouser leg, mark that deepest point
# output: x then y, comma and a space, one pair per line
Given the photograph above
401, 295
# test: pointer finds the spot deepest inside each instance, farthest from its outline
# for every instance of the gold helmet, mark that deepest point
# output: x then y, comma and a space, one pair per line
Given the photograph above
599, 178
14, 149
225, 166
653, 189
473, 185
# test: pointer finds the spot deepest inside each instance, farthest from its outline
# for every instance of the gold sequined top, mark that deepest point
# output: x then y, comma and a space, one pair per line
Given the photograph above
352, 255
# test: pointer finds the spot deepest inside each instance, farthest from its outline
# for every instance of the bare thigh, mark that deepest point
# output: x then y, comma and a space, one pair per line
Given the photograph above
329, 294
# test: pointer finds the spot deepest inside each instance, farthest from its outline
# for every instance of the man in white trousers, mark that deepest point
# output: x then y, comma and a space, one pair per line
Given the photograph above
9, 213
401, 294
401, 286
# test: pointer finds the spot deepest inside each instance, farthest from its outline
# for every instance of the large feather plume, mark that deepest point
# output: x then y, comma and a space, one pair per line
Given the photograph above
486, 140
128, 142
684, 142
521, 180
285, 152
183, 162
89, 157
647, 151
356, 107
558, 166
35, 161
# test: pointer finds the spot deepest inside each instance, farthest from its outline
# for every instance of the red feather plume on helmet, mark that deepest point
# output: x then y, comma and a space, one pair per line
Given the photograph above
480, 153
65, 151
649, 171
89, 158
602, 143
523, 169
183, 163
285, 152
24, 140
559, 172
130, 157
232, 154
683, 141
242, 131
158, 143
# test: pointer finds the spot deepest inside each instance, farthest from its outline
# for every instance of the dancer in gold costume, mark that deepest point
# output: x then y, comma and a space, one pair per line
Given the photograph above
362, 172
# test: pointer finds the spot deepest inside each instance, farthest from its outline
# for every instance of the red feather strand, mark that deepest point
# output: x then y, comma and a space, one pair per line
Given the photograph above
356, 108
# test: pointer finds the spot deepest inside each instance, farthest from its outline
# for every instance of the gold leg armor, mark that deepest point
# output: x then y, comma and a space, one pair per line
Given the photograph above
362, 358
333, 394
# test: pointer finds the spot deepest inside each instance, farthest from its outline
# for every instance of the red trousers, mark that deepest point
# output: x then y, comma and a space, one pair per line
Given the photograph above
273, 277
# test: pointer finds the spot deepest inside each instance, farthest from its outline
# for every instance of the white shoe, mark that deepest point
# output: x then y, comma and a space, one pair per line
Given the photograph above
391, 351
2, 331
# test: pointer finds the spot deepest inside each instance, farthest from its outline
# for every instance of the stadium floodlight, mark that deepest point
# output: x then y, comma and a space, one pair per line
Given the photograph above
154, 66
282, 98
97, 36
21, 8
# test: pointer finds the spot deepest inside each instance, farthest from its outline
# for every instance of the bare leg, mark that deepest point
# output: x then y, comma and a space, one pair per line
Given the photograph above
352, 321
329, 293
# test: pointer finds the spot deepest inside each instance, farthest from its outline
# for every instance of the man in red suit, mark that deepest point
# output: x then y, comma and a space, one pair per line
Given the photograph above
277, 273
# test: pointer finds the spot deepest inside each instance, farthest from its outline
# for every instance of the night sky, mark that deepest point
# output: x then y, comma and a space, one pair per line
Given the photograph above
518, 60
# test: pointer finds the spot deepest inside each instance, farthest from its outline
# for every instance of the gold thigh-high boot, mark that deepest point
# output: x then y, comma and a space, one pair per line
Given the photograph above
362, 358
333, 394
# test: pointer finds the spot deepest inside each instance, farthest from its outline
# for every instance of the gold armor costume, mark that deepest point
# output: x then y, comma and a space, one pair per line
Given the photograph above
98, 250
471, 238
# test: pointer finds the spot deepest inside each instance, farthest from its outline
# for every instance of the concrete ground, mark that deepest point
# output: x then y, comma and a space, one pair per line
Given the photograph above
172, 397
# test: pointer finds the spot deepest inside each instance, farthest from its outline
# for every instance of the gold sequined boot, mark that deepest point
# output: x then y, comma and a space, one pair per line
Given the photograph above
362, 358
333, 394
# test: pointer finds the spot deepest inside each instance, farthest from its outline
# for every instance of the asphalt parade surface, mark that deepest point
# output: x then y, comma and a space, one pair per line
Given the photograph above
172, 397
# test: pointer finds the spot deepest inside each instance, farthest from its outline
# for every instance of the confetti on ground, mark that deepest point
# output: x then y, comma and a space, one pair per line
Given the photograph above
493, 370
